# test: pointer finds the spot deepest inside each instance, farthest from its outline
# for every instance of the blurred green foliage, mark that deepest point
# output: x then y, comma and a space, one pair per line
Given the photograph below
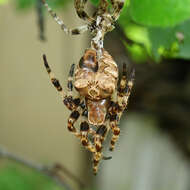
166, 38
25, 4
95, 2
3, 1
16, 177
157, 28
159, 13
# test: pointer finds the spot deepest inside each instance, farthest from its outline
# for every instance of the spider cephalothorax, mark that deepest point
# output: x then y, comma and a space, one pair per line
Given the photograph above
100, 102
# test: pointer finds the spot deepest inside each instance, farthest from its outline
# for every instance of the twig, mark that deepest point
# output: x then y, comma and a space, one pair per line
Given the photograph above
59, 167
45, 170
40, 17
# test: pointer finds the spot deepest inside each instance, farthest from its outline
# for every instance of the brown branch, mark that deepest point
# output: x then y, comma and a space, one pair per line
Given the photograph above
45, 170
58, 167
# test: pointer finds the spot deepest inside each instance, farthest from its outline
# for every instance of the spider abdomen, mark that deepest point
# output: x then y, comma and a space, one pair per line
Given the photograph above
97, 111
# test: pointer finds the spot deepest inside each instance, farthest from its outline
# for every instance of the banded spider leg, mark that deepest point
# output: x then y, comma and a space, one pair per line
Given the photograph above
117, 6
79, 6
85, 130
78, 30
73, 105
102, 8
116, 109
98, 140
70, 102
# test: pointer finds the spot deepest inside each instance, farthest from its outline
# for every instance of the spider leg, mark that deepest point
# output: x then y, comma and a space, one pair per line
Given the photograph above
117, 108
70, 80
54, 80
85, 116
84, 131
78, 30
98, 135
98, 140
70, 102
125, 88
117, 6
115, 130
79, 6
102, 8
71, 121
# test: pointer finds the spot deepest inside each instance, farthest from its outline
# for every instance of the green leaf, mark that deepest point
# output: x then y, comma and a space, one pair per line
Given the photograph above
184, 44
137, 52
159, 12
161, 39
171, 42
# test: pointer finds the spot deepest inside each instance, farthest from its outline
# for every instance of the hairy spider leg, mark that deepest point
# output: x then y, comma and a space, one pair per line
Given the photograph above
98, 140
54, 80
84, 126
98, 135
102, 8
84, 131
85, 117
71, 121
124, 90
70, 102
78, 30
70, 80
79, 6
117, 108
115, 130
117, 7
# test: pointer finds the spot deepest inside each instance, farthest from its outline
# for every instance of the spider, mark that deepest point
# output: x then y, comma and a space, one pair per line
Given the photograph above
99, 103
96, 83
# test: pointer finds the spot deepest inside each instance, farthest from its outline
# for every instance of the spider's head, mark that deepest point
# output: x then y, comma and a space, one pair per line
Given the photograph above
89, 61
